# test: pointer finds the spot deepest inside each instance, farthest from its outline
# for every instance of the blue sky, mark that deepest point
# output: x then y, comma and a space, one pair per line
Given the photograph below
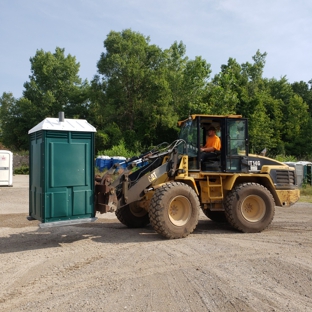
213, 29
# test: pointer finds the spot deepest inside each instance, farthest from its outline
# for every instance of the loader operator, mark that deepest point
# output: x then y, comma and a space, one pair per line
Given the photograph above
213, 144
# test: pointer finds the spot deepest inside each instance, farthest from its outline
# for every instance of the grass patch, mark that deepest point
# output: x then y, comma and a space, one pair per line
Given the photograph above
306, 193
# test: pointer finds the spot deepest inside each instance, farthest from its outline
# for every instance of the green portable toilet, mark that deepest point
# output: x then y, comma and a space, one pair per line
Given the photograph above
61, 177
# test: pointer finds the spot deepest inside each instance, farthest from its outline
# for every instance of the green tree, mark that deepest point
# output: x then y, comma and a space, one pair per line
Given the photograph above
7, 103
175, 65
188, 80
54, 86
222, 93
261, 133
233, 90
135, 93
305, 91
14, 116
296, 120
293, 117
195, 82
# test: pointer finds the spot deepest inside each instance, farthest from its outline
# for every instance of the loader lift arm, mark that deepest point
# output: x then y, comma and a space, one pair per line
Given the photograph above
128, 187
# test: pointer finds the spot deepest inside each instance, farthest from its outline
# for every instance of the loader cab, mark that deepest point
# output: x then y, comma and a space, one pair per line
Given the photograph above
233, 133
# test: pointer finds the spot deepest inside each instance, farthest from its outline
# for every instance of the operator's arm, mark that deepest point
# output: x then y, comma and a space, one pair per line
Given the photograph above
210, 149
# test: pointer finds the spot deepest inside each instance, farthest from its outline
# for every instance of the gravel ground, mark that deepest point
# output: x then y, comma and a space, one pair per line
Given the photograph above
104, 266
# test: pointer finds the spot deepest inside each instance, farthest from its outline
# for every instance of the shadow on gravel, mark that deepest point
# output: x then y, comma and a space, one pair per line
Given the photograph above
211, 228
105, 231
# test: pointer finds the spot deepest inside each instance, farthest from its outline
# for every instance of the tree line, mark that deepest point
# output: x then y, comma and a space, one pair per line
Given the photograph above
140, 92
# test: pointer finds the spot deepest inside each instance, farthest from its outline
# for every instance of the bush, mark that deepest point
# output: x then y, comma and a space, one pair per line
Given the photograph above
286, 158
23, 169
119, 150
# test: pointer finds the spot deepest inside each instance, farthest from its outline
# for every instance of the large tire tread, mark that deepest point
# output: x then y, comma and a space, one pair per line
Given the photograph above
231, 209
125, 216
158, 211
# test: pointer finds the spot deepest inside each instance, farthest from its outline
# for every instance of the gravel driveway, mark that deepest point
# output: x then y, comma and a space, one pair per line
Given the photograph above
104, 266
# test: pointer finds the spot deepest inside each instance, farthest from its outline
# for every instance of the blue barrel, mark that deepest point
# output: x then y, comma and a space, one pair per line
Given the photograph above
119, 159
103, 162
144, 163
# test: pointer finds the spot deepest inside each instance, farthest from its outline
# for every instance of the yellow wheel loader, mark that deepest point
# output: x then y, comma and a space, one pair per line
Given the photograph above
173, 185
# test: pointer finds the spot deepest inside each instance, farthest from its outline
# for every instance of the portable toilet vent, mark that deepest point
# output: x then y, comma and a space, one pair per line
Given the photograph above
6, 168
61, 172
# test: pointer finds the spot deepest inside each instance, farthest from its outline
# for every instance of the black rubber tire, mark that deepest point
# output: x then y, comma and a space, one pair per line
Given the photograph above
132, 216
174, 210
250, 207
216, 216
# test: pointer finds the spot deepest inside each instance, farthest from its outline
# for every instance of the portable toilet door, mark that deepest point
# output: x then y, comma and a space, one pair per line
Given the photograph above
6, 168
300, 173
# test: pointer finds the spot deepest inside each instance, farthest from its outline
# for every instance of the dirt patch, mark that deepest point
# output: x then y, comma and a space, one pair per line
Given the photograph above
105, 266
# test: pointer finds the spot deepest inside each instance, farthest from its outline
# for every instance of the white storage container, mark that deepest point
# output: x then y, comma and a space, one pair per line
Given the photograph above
6, 168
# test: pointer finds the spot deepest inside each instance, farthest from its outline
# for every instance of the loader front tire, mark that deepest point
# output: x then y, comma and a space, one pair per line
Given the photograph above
132, 216
250, 207
174, 210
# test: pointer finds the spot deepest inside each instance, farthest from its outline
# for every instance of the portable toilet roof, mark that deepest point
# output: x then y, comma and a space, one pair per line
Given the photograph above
80, 125
290, 163
303, 162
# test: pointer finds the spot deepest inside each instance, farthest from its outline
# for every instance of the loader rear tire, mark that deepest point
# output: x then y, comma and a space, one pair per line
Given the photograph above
250, 207
132, 216
174, 210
